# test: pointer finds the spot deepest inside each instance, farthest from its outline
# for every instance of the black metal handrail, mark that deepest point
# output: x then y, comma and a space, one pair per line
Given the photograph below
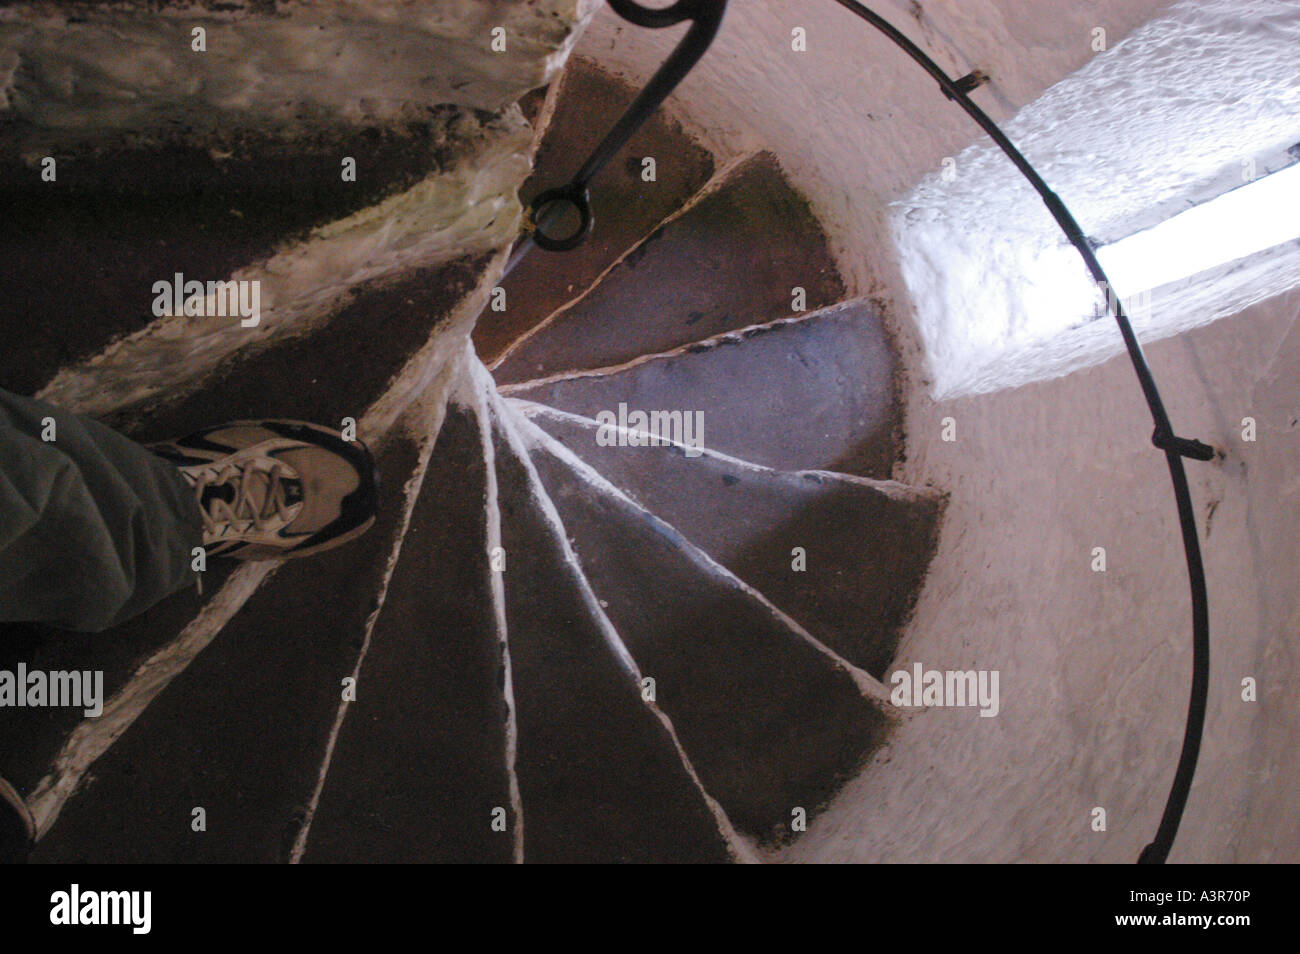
1175, 448
548, 208
706, 16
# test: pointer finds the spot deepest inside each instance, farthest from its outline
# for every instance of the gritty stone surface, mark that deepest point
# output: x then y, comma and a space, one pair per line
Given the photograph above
624, 207
845, 558
734, 258
598, 774
242, 731
30, 738
771, 723
467, 209
338, 372
815, 393
98, 72
420, 764
81, 254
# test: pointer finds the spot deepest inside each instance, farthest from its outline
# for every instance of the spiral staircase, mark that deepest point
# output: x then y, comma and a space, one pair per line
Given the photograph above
552, 646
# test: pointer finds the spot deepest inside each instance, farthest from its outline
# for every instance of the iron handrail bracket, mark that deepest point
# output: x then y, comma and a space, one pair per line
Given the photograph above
548, 208
1175, 448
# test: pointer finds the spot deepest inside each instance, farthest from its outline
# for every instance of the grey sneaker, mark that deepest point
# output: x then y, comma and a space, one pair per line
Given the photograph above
276, 488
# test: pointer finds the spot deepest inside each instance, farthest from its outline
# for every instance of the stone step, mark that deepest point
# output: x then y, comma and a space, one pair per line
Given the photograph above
359, 354
731, 259
600, 776
86, 73
818, 392
32, 738
239, 723
299, 378
82, 254
772, 722
421, 759
864, 545
242, 731
625, 207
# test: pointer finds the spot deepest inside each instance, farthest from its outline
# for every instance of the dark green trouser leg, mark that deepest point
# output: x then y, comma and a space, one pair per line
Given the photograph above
93, 527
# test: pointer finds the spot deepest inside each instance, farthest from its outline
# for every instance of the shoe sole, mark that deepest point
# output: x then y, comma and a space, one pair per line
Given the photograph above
320, 547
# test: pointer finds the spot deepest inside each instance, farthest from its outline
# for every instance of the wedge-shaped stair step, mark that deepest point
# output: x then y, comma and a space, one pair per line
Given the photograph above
240, 734
32, 737
845, 556
626, 207
599, 775
729, 260
813, 393
464, 211
82, 254
771, 722
337, 372
420, 764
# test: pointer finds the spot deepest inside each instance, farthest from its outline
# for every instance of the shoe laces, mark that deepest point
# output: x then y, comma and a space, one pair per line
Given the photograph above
259, 494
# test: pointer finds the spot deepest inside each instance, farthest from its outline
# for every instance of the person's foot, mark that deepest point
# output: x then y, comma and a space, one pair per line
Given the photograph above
17, 830
276, 488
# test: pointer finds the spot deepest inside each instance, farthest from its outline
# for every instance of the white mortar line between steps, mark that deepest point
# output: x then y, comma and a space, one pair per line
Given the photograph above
870, 687
718, 180
735, 336
740, 847
893, 489
482, 391
432, 416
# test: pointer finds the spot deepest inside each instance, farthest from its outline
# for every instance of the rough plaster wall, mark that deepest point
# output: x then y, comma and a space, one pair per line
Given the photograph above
1096, 667
855, 122
1180, 102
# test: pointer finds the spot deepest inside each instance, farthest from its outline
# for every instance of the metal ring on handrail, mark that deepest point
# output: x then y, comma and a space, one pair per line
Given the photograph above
654, 17
578, 198
706, 17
